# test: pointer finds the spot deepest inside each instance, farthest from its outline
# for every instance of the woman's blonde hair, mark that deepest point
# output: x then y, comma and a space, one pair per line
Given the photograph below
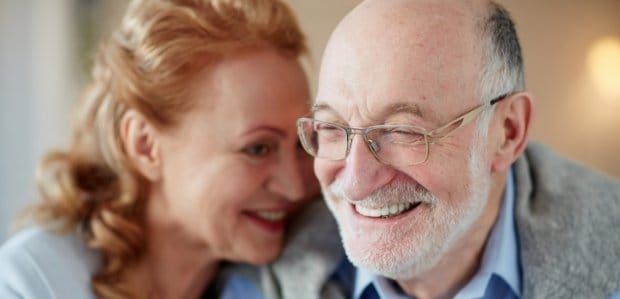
145, 65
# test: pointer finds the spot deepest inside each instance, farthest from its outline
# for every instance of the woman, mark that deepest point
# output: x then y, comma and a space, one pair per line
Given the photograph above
184, 155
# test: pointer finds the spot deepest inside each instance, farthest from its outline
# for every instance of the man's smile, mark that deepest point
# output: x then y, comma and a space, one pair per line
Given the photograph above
387, 211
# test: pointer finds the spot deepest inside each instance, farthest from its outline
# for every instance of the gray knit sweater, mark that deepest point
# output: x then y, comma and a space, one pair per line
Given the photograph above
568, 222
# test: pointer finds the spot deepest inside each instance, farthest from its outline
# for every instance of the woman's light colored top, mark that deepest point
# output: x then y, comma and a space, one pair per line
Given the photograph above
36, 263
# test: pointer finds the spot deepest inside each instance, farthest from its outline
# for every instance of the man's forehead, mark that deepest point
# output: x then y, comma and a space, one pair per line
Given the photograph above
392, 107
415, 58
358, 112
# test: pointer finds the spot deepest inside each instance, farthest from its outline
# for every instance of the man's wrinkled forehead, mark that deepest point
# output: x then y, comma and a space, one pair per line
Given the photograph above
395, 107
397, 46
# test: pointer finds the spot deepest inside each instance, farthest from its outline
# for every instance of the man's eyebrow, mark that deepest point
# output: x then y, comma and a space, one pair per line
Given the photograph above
392, 109
401, 107
320, 107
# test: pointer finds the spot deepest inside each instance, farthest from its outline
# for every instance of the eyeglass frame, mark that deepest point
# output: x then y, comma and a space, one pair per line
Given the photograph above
464, 119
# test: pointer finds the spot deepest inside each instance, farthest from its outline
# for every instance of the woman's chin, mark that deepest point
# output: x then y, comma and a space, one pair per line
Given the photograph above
260, 254
262, 258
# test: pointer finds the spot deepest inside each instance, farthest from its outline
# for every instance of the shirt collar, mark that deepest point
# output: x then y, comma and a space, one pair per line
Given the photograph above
362, 279
501, 253
500, 257
386, 288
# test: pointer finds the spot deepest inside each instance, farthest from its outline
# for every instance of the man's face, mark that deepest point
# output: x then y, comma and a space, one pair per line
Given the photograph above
399, 220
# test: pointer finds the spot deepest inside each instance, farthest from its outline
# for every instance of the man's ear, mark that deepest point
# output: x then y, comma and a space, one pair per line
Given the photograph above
511, 124
141, 144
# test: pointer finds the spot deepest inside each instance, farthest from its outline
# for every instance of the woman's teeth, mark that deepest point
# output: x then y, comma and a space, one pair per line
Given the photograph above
387, 211
272, 216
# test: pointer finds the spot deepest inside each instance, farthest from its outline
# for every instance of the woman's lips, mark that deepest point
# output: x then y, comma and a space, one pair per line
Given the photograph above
272, 221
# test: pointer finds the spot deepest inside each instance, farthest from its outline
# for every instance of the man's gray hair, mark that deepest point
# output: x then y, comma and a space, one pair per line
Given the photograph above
502, 63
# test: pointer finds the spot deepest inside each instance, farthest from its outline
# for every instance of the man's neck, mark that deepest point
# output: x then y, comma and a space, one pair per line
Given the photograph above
462, 261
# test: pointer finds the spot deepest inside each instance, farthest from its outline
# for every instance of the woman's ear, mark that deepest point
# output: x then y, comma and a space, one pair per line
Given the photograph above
511, 124
141, 144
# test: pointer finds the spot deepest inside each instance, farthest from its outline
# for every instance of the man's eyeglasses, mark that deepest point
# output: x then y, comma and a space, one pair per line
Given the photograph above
397, 145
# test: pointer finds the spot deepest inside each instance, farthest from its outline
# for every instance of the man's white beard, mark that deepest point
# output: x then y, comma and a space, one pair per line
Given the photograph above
410, 253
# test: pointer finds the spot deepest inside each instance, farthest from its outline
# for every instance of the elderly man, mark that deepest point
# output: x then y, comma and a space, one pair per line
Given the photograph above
420, 130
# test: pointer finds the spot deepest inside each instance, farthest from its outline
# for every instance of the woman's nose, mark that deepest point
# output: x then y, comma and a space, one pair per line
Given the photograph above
287, 179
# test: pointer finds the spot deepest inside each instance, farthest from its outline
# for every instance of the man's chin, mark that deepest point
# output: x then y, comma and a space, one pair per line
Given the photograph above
394, 258
381, 264
376, 257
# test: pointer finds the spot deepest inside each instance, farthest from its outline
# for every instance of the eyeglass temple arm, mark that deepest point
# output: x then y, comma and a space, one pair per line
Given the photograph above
465, 119
500, 98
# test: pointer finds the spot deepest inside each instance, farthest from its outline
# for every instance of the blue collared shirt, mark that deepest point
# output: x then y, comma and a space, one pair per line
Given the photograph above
501, 257
237, 286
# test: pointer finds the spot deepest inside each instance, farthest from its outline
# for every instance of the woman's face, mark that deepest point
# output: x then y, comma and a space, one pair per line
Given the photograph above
232, 170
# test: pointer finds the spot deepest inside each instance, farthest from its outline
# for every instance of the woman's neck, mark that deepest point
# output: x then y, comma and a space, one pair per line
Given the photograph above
175, 269
174, 265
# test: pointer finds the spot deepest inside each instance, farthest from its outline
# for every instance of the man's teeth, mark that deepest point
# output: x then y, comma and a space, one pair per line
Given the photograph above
387, 211
272, 216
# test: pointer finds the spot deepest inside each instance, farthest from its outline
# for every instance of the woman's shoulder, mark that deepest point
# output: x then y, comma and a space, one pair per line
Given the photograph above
36, 263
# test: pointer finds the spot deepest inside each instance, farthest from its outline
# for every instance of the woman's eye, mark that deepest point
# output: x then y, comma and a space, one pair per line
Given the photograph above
259, 150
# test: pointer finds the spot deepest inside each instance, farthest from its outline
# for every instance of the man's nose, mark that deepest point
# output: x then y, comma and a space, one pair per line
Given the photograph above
362, 173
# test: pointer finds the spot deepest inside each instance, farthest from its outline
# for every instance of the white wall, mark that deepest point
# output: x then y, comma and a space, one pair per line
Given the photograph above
35, 94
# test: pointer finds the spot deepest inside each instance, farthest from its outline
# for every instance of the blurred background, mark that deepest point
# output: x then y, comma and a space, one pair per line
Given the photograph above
572, 64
